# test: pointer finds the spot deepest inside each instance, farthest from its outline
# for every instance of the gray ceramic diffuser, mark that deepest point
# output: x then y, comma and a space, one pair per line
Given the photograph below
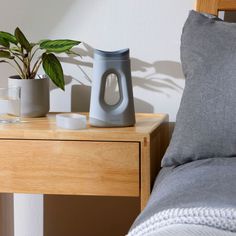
103, 113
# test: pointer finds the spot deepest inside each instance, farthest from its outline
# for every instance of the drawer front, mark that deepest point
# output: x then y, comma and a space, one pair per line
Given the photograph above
69, 167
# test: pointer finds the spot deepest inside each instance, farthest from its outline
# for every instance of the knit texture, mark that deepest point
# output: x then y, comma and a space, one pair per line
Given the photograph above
224, 219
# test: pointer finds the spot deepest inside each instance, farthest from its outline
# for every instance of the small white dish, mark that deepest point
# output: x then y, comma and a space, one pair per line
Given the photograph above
71, 121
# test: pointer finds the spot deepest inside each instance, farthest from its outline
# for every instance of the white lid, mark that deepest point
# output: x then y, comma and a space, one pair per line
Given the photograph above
71, 121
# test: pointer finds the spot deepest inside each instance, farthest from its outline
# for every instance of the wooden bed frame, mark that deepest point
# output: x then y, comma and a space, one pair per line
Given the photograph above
214, 6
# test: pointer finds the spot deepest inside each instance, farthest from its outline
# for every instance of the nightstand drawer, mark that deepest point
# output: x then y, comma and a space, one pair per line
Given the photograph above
69, 167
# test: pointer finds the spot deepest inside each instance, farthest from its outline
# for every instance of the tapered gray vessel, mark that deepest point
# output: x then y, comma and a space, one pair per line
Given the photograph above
121, 113
34, 95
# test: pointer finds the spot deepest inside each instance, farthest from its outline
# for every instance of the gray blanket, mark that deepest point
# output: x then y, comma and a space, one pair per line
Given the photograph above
203, 184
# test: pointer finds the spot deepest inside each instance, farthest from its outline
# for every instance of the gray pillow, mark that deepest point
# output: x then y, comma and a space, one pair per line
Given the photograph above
206, 120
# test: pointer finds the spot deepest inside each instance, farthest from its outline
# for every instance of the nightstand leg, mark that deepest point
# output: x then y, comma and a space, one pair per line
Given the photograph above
145, 172
152, 151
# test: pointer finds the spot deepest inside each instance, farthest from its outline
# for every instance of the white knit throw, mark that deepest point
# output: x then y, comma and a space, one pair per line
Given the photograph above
224, 219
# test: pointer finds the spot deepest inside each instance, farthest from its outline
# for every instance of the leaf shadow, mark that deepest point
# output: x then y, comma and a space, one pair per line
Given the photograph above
158, 76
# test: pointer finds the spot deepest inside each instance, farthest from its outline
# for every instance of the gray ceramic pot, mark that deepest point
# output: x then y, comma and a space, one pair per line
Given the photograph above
34, 95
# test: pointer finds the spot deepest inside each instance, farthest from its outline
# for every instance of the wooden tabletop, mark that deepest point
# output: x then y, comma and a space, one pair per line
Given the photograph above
45, 128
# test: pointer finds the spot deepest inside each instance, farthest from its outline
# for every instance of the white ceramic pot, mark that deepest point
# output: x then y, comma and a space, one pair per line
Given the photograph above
34, 95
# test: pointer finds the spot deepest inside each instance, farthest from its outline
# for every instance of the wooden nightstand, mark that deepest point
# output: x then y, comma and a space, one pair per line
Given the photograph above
38, 157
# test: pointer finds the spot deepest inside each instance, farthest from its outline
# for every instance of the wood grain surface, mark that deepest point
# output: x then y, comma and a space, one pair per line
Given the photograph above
69, 167
214, 6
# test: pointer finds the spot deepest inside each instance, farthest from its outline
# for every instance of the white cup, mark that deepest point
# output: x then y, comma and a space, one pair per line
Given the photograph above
10, 105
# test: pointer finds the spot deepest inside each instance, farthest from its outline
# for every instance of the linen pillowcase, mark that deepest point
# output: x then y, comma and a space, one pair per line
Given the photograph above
206, 120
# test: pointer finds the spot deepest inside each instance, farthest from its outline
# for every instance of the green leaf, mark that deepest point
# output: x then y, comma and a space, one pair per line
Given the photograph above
22, 39
9, 37
15, 49
53, 69
4, 43
58, 46
5, 54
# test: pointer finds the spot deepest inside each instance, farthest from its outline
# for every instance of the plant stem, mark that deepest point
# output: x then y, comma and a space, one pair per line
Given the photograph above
20, 56
28, 66
20, 73
36, 66
17, 55
34, 54
19, 67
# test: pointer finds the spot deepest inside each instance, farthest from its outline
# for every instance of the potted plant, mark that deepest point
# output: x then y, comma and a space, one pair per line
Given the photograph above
26, 58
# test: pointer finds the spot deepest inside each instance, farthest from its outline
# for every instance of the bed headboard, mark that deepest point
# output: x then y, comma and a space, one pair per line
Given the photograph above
214, 6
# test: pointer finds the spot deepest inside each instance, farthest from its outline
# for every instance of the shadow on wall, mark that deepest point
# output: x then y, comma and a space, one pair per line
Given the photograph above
153, 77
152, 81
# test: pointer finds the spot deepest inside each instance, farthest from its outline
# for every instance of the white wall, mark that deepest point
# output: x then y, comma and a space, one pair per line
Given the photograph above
150, 28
